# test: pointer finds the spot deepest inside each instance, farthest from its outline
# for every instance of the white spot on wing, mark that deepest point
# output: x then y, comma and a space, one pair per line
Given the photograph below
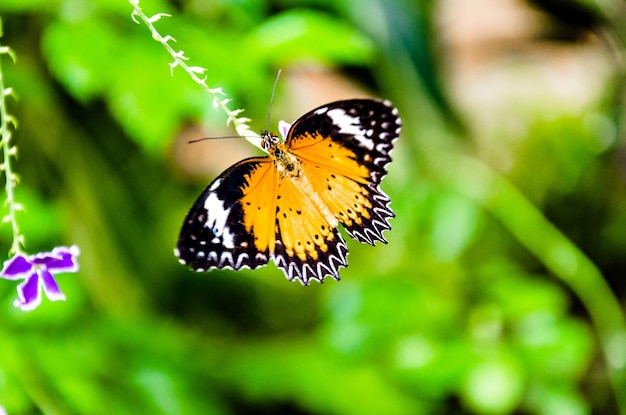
350, 125
215, 184
229, 239
217, 215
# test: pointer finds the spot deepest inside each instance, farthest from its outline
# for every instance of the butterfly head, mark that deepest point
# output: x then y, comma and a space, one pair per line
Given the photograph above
268, 140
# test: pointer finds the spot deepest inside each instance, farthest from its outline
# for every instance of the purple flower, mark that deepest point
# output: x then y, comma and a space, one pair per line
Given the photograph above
283, 128
36, 271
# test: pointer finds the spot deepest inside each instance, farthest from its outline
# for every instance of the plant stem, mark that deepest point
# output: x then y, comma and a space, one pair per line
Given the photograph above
564, 259
240, 123
7, 153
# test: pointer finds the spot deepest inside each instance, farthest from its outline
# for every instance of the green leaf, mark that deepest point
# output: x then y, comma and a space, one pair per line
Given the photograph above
301, 34
93, 60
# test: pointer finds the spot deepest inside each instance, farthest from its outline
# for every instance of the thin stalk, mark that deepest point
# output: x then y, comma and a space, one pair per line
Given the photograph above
8, 153
179, 59
564, 259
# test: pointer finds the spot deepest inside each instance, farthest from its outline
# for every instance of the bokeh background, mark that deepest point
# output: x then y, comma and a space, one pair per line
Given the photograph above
501, 290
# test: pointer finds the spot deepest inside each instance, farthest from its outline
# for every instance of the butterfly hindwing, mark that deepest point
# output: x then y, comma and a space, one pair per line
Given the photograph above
225, 224
308, 245
363, 209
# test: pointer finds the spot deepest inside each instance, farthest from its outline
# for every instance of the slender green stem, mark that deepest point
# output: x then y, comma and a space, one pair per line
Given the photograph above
179, 59
8, 152
566, 261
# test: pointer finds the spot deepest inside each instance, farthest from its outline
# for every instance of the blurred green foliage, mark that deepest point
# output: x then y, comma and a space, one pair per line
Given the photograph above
490, 297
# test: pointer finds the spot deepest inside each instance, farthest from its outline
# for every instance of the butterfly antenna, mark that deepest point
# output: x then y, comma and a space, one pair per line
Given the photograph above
214, 138
267, 122
269, 110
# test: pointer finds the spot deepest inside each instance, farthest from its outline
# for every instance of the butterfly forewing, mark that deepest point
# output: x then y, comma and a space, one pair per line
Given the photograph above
366, 127
225, 224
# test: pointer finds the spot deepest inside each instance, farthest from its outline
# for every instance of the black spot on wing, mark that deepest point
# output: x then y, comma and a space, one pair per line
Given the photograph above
216, 237
369, 129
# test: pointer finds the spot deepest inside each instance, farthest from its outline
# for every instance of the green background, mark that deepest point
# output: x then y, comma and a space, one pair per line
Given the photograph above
501, 289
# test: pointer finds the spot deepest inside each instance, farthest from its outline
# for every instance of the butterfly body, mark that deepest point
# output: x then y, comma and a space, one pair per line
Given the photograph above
287, 206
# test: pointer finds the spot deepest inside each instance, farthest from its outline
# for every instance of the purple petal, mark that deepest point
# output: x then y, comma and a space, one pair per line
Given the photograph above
50, 286
61, 259
16, 268
29, 292
283, 128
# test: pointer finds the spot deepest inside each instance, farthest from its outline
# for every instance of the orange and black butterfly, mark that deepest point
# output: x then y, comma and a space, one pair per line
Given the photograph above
286, 206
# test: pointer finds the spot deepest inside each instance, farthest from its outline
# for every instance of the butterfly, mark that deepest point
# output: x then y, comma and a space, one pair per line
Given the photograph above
287, 206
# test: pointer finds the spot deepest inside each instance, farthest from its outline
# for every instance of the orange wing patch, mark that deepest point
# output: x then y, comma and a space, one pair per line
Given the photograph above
342, 184
317, 150
259, 206
347, 199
